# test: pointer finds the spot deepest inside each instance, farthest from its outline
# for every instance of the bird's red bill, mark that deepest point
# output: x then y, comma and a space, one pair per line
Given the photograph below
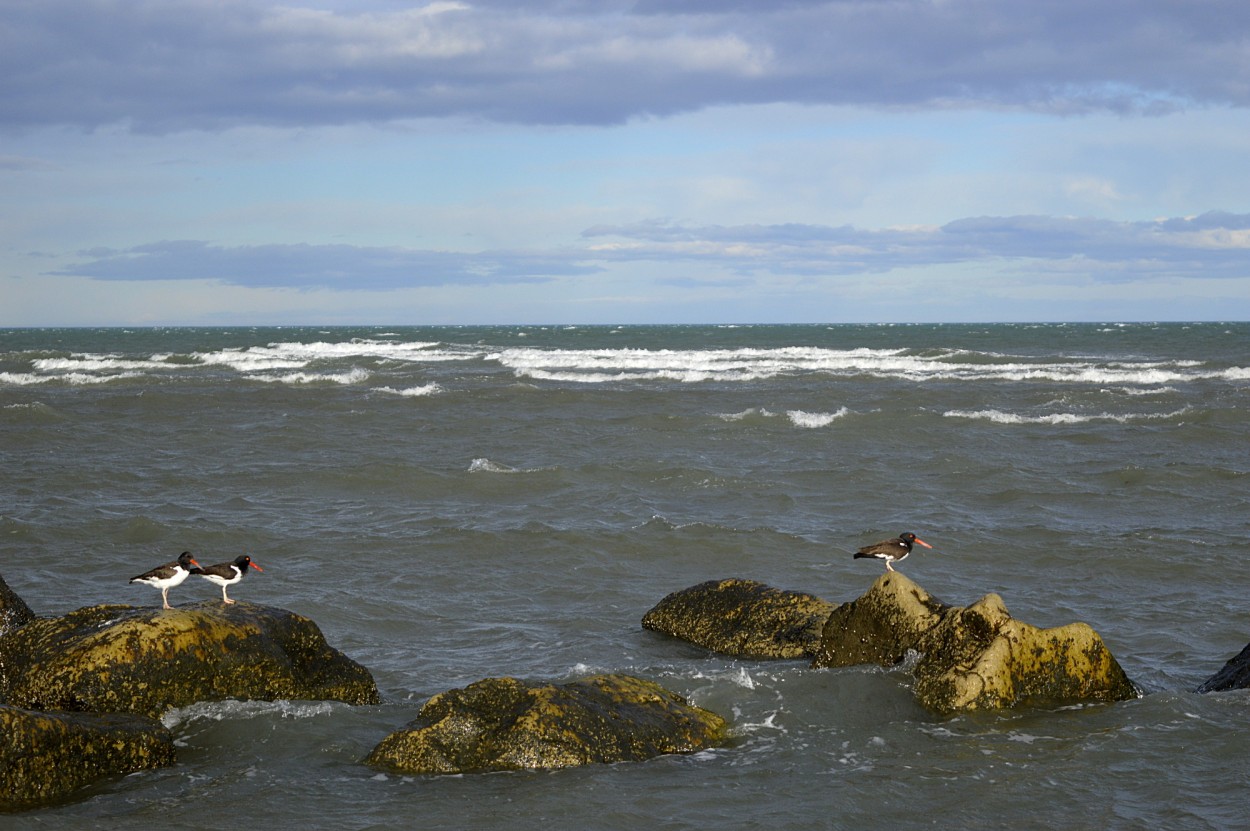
919, 541
253, 565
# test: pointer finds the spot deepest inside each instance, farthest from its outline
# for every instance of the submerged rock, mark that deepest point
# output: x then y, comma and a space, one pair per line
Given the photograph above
973, 657
45, 757
509, 724
1234, 675
143, 660
742, 617
14, 613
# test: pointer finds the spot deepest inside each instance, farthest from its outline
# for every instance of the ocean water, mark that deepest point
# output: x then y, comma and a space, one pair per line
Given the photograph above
453, 503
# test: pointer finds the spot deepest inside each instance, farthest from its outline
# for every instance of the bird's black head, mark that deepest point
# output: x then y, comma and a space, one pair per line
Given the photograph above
243, 561
186, 560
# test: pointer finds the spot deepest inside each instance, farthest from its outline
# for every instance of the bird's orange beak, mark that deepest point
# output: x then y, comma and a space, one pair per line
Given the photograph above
255, 566
919, 541
194, 563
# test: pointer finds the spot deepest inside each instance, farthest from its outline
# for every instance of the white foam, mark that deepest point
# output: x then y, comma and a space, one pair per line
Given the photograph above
799, 418
354, 376
487, 466
413, 392
235, 709
1001, 417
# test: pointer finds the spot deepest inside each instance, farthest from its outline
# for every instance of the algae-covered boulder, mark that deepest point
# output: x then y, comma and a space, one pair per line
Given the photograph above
880, 626
1234, 675
978, 657
743, 618
509, 724
973, 657
45, 757
14, 613
145, 661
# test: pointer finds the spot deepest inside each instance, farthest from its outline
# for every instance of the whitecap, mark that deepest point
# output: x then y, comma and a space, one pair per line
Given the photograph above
484, 465
1000, 417
413, 392
799, 418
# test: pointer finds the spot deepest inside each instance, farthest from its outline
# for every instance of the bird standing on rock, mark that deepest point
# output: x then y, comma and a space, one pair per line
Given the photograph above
169, 575
227, 574
892, 550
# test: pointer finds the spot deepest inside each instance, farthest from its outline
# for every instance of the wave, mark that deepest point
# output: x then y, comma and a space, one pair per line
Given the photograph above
413, 392
1000, 417
354, 376
799, 418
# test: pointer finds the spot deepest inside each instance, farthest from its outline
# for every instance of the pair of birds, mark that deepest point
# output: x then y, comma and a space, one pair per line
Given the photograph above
171, 574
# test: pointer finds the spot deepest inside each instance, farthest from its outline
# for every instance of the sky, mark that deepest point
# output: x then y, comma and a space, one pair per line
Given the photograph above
240, 162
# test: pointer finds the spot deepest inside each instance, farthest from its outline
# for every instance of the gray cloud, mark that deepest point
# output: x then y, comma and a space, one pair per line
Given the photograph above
342, 267
1214, 244
211, 64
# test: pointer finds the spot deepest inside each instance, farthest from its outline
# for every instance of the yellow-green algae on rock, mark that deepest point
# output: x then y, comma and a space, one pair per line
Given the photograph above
48, 756
143, 660
509, 724
973, 657
742, 617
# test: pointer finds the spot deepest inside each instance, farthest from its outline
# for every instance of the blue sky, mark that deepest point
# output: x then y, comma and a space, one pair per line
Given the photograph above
558, 161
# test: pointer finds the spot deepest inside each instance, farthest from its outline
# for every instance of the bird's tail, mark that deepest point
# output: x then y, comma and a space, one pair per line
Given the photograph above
859, 555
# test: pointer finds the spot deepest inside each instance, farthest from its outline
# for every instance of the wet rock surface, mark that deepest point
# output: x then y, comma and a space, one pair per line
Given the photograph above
973, 657
45, 757
509, 724
743, 618
1234, 675
145, 661
14, 613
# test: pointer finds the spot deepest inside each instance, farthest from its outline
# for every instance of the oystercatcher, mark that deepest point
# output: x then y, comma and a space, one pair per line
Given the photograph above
893, 550
169, 575
227, 574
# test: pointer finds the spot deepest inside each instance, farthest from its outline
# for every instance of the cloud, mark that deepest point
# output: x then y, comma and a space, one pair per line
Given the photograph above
342, 267
1212, 245
215, 64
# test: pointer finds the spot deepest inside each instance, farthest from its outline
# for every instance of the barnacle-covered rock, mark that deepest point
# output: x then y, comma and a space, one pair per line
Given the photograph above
509, 724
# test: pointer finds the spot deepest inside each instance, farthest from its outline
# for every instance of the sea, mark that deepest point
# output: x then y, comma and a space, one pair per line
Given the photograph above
455, 503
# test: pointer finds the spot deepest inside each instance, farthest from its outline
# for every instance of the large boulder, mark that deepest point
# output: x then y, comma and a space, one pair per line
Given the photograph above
144, 660
1235, 675
743, 618
974, 657
880, 626
978, 657
14, 613
509, 724
45, 757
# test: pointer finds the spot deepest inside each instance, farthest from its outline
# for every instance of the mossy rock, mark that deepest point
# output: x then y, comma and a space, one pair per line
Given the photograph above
509, 724
880, 626
14, 613
46, 757
743, 618
143, 660
979, 657
973, 657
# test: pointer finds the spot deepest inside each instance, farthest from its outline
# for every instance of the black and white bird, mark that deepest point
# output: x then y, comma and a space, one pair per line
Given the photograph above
227, 574
169, 575
893, 550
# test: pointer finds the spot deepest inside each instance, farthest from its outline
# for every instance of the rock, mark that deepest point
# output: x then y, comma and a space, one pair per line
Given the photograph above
979, 657
743, 618
509, 724
47, 756
1235, 675
973, 657
145, 661
880, 626
14, 613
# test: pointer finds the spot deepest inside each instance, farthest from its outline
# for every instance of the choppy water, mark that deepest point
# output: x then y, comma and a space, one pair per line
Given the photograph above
454, 503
